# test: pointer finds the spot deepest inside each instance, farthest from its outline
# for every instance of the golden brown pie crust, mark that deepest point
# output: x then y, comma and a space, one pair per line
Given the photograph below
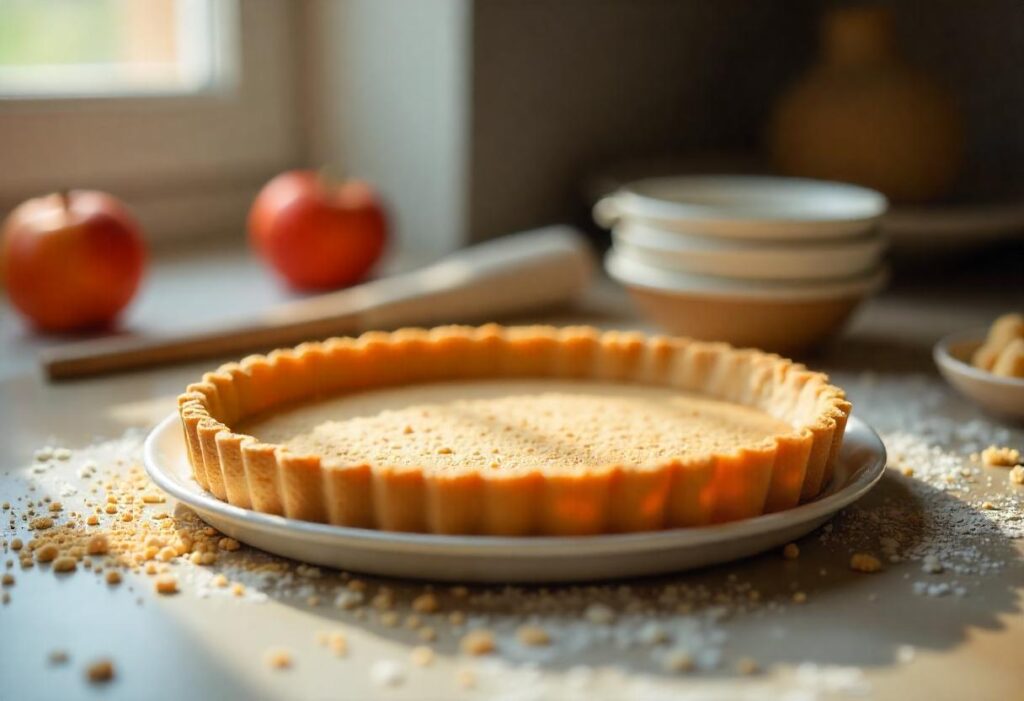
690, 491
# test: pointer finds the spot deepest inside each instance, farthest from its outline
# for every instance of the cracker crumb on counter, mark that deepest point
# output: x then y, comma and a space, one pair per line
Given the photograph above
166, 584
278, 658
65, 563
1000, 456
791, 551
100, 671
533, 635
747, 666
477, 642
422, 656
677, 661
426, 603
1016, 475
865, 562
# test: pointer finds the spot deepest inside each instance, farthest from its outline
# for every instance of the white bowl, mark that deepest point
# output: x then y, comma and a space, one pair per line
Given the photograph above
781, 316
1003, 396
746, 207
703, 255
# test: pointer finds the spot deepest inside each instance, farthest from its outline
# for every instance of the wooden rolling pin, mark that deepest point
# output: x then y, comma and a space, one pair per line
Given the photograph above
516, 273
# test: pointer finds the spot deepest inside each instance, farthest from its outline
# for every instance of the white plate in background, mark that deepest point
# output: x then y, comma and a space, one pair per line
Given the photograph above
861, 464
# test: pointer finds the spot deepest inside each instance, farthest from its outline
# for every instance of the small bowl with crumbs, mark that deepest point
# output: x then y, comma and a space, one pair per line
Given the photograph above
987, 367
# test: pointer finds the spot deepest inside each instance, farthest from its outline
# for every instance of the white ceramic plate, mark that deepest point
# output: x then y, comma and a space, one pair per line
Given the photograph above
704, 255
1003, 396
635, 273
746, 207
948, 229
500, 559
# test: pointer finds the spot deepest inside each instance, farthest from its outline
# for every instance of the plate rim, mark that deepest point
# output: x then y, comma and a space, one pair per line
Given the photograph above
523, 546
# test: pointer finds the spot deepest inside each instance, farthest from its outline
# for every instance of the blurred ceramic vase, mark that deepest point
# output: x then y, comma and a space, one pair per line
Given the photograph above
864, 115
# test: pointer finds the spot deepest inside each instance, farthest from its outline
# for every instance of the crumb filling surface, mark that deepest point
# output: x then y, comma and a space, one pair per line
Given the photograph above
514, 425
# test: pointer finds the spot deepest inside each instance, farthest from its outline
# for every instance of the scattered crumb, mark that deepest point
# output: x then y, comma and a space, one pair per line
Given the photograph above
337, 643
747, 666
7, 580
58, 657
47, 553
427, 634
533, 635
426, 603
100, 671
1016, 475
799, 597
229, 544
677, 661
422, 656
278, 658
997, 456
65, 563
113, 577
97, 545
791, 551
166, 584
477, 642
865, 562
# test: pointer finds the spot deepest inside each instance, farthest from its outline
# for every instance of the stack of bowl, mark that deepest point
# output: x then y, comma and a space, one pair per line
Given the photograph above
777, 263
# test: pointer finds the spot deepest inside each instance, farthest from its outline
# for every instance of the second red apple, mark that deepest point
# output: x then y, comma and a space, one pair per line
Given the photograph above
316, 233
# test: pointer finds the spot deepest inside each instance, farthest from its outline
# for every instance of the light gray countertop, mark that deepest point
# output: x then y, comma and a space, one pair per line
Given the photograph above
899, 633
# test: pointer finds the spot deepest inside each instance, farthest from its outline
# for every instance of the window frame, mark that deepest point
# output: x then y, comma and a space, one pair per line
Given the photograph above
187, 163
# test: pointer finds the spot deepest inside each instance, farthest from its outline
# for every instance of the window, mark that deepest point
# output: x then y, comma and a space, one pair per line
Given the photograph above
182, 108
58, 48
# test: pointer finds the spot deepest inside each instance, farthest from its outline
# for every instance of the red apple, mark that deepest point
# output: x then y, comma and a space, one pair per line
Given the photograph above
315, 233
73, 260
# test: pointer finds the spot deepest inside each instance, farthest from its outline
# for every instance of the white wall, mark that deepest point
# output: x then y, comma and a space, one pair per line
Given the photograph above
386, 99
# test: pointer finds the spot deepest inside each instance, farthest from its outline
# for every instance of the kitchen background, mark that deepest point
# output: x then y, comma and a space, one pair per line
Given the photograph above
474, 119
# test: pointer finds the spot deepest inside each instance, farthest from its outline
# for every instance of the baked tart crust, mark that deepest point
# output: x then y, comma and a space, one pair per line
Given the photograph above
691, 490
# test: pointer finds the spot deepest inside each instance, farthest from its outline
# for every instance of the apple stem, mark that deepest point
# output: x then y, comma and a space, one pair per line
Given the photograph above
65, 198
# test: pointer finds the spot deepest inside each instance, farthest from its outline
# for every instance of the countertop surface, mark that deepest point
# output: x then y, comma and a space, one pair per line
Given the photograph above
941, 620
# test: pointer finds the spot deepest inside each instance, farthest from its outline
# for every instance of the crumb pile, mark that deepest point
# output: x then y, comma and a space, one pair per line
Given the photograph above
945, 522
